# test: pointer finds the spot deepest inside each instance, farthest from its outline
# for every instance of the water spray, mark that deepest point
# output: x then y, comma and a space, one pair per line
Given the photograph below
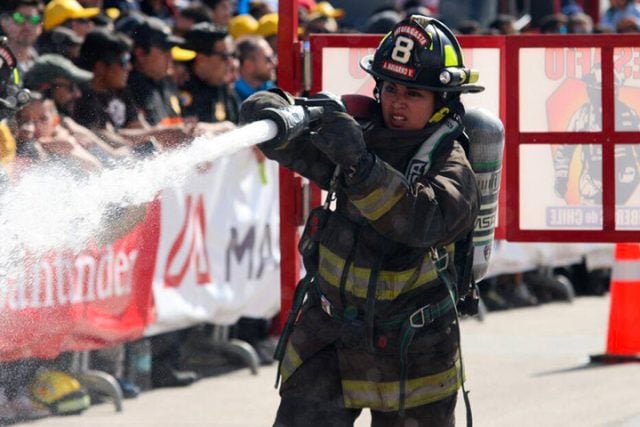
51, 209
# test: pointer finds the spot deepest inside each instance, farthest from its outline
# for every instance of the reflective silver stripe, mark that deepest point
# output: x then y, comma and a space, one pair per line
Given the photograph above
628, 271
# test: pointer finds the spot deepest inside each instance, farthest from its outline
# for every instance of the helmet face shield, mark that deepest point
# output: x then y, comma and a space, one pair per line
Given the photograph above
422, 52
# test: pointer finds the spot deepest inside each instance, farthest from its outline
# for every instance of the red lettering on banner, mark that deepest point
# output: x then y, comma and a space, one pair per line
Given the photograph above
64, 278
192, 235
572, 63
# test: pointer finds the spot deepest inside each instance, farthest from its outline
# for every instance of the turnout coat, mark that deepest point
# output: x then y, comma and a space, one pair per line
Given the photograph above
378, 296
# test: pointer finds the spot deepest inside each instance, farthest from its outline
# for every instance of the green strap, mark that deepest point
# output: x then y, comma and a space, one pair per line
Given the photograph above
408, 332
298, 299
465, 394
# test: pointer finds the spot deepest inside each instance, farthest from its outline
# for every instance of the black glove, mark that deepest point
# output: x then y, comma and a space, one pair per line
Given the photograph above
253, 105
340, 138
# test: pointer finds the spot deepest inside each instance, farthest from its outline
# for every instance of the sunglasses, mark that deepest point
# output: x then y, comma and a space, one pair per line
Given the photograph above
21, 19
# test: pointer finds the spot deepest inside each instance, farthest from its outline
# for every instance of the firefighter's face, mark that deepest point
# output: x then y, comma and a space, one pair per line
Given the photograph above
405, 107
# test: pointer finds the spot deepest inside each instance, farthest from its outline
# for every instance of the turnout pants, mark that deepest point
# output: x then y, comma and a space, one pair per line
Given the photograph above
312, 397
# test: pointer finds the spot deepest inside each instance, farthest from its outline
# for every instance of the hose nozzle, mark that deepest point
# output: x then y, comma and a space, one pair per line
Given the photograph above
292, 121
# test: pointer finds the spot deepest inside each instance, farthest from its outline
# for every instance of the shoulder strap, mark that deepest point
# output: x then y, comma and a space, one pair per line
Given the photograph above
449, 130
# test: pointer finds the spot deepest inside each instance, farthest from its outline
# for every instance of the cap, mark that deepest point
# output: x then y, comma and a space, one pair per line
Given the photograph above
242, 25
154, 32
199, 39
104, 45
64, 36
51, 66
128, 23
59, 11
268, 25
324, 8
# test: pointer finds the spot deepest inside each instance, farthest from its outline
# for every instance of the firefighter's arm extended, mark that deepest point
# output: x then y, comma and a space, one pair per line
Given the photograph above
292, 146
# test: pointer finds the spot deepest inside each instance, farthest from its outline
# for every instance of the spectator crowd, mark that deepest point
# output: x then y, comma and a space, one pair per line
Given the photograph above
112, 80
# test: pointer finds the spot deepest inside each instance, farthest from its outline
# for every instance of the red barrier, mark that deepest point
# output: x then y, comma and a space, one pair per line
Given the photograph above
87, 300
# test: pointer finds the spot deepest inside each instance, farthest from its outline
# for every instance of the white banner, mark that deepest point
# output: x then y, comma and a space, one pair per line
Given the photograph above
219, 253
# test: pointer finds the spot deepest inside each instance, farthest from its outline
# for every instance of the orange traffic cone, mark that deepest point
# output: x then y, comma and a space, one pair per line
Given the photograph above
623, 339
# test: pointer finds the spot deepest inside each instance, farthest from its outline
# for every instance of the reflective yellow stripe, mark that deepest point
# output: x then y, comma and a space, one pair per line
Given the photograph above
390, 284
386, 395
290, 362
382, 200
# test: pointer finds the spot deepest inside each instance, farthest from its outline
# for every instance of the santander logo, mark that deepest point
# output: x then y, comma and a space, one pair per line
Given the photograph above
189, 251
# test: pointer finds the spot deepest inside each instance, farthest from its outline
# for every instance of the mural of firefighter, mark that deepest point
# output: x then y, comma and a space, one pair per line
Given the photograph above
578, 167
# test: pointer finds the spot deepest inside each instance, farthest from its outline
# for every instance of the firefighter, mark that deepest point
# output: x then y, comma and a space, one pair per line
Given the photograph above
378, 327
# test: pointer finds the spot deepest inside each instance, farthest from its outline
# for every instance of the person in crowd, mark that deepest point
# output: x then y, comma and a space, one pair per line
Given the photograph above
470, 26
21, 23
257, 68
71, 14
206, 95
222, 11
553, 24
153, 90
268, 28
628, 24
619, 9
378, 328
504, 24
62, 41
59, 79
193, 14
323, 19
579, 23
107, 107
40, 138
162, 9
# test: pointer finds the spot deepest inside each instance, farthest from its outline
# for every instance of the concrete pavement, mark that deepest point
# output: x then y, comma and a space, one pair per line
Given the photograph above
525, 367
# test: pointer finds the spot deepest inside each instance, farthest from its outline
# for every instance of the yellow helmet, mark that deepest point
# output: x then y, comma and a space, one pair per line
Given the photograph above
60, 392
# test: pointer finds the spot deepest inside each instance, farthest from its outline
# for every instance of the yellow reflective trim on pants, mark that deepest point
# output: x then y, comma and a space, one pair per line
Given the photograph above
290, 362
390, 285
382, 200
386, 396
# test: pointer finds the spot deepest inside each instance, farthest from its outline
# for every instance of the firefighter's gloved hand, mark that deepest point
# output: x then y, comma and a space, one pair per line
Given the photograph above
253, 105
340, 138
